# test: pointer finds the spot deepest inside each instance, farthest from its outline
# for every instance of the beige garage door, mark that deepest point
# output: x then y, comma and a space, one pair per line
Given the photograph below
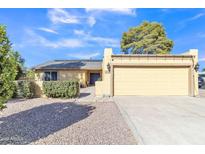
151, 81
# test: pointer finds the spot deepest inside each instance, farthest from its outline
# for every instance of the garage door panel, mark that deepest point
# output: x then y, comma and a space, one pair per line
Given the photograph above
151, 81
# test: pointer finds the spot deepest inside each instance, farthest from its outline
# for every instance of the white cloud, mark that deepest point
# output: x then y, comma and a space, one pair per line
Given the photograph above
61, 16
84, 55
201, 59
196, 16
126, 11
91, 21
79, 32
36, 39
104, 41
48, 30
18, 45
69, 43
202, 35
184, 22
82, 39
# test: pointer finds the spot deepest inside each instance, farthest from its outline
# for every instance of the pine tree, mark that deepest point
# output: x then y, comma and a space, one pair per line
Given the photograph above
147, 38
8, 67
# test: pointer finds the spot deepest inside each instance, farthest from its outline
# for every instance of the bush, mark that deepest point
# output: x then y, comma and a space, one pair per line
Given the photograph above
30, 74
62, 89
23, 89
2, 105
8, 67
15, 93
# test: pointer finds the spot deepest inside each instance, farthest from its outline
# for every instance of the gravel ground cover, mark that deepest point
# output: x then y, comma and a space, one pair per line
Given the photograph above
58, 121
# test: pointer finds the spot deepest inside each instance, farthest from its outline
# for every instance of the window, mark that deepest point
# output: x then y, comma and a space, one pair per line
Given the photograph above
47, 76
50, 76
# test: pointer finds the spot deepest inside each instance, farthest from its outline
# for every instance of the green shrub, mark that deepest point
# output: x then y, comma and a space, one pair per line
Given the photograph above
8, 67
30, 74
62, 89
23, 89
2, 105
15, 93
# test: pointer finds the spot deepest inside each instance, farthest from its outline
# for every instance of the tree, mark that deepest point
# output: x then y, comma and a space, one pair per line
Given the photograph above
203, 70
20, 65
147, 38
8, 67
30, 74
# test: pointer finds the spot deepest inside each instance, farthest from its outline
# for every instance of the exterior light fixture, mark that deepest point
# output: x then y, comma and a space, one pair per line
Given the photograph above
108, 67
196, 67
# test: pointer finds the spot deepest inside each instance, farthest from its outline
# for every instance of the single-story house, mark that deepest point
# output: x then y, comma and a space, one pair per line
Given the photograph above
128, 74
86, 71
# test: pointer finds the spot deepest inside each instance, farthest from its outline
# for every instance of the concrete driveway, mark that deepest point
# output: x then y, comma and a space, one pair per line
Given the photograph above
201, 92
88, 95
164, 120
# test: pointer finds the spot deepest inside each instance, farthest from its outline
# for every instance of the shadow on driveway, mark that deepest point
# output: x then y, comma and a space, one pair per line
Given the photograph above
30, 125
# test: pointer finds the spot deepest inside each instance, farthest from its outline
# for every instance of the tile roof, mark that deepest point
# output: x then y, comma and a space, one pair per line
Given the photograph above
71, 64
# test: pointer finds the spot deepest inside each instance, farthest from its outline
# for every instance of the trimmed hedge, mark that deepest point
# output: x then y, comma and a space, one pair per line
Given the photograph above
62, 89
23, 89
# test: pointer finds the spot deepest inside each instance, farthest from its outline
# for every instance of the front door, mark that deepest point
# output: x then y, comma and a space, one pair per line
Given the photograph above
94, 77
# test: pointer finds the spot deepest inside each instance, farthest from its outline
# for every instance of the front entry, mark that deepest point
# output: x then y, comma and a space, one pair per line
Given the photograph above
94, 77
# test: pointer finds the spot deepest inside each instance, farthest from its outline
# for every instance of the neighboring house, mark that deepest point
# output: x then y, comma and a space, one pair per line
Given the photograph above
149, 74
129, 74
85, 71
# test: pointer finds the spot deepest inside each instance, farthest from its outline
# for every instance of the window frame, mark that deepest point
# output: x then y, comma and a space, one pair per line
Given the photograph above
49, 77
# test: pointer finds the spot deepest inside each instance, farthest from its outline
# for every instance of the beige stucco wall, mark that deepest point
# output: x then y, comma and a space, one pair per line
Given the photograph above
80, 75
83, 76
38, 75
39, 88
103, 87
151, 60
194, 52
73, 74
189, 59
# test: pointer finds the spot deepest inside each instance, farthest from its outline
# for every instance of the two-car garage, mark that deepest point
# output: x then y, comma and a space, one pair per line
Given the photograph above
149, 75
151, 81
